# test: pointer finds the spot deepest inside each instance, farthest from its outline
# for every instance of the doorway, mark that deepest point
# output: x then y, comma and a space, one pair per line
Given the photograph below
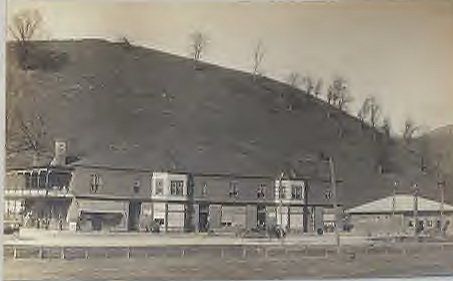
203, 225
261, 216
134, 215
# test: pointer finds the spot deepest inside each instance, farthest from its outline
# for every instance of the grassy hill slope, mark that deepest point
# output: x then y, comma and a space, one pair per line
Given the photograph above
143, 108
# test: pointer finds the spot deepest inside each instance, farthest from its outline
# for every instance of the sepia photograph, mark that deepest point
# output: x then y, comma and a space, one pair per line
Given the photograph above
228, 140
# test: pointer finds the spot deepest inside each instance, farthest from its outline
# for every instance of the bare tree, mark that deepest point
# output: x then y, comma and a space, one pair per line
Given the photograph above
309, 84
370, 111
198, 45
26, 130
364, 111
338, 94
386, 128
293, 79
375, 111
258, 56
383, 159
318, 88
126, 43
409, 130
24, 27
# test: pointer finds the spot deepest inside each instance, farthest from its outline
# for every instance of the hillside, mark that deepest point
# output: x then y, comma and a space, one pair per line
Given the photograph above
141, 108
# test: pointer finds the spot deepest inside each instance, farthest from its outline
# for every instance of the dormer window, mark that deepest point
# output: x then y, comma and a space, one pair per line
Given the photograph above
260, 192
159, 188
296, 192
95, 183
234, 190
204, 189
176, 187
282, 192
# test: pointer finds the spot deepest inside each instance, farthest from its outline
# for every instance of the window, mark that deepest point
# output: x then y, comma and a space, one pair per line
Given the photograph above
159, 188
176, 187
159, 221
282, 192
42, 179
136, 186
234, 191
34, 180
296, 192
204, 189
27, 179
95, 183
260, 192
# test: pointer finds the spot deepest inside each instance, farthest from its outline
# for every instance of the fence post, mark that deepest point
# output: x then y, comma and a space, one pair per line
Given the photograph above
62, 253
40, 254
182, 252
86, 253
14, 252
128, 252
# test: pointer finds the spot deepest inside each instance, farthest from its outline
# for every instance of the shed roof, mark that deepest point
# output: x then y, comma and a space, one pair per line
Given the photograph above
403, 203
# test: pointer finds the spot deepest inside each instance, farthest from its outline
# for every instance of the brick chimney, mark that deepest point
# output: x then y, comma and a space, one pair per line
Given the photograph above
60, 153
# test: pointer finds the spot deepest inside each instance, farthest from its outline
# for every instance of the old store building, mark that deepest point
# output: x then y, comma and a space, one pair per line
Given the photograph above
108, 198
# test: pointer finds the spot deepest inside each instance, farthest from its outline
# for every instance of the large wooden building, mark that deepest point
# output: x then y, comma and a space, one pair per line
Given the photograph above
104, 198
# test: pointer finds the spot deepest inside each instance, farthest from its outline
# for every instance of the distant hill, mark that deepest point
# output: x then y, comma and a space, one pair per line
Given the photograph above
142, 108
438, 145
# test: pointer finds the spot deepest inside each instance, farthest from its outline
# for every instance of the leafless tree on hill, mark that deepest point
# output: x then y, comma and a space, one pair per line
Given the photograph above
386, 127
126, 43
338, 94
318, 88
198, 45
26, 132
309, 84
370, 111
293, 79
375, 111
24, 28
409, 130
258, 56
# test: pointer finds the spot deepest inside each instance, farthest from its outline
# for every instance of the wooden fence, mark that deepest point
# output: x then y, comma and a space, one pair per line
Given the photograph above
219, 251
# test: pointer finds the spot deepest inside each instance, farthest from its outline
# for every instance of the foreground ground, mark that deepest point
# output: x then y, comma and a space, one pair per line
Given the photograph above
431, 263
63, 256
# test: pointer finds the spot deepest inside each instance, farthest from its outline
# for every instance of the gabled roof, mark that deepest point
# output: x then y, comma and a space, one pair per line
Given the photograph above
403, 203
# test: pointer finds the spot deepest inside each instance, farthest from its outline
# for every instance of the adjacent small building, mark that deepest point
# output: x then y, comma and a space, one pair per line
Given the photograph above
397, 215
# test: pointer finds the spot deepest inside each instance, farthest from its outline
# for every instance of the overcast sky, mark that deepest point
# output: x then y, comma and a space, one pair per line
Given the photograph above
399, 51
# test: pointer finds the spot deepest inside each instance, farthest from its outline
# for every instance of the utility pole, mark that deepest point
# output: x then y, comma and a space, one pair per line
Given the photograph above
441, 185
281, 199
395, 186
415, 188
333, 183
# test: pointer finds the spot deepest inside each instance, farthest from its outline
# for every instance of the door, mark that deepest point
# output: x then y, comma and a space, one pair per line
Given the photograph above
134, 215
203, 218
96, 222
261, 217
